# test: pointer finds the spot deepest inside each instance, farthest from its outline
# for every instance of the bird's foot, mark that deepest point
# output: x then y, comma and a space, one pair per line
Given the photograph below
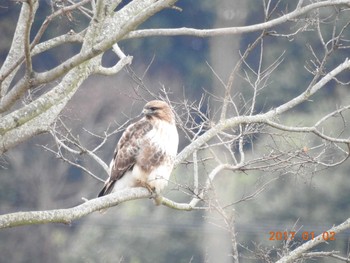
146, 185
154, 194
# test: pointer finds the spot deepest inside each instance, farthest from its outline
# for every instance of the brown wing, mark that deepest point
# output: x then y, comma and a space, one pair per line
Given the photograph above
126, 153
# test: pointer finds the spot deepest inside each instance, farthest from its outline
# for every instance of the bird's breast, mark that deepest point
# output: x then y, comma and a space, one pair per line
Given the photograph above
165, 136
158, 147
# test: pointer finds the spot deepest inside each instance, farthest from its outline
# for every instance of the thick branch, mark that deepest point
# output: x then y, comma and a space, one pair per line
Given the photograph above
17, 46
37, 116
13, 128
116, 28
66, 216
116, 68
56, 41
27, 55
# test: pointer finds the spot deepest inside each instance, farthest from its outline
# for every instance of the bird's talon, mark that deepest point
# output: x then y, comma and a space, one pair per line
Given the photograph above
143, 184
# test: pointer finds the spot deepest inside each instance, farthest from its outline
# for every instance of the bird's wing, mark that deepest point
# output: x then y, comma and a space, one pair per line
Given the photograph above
126, 152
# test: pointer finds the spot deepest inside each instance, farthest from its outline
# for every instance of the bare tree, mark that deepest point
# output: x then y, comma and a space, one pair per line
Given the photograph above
222, 139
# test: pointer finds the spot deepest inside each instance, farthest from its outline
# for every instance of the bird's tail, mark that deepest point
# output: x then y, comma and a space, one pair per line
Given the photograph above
107, 188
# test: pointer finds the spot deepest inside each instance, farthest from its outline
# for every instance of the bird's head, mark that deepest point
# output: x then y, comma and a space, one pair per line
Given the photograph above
158, 109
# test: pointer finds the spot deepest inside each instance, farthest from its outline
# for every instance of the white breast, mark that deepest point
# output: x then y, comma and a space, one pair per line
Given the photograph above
166, 137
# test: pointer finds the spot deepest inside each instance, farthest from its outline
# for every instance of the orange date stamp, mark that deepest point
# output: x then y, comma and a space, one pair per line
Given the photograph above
291, 235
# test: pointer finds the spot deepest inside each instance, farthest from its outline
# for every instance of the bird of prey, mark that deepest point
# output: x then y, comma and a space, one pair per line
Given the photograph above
145, 153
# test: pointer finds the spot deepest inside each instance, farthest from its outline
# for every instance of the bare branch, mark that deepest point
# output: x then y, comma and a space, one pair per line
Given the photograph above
29, 46
299, 11
66, 216
312, 129
142, 9
28, 26
17, 47
116, 68
298, 252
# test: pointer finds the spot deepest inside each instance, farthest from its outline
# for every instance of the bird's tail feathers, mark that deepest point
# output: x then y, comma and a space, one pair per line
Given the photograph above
107, 188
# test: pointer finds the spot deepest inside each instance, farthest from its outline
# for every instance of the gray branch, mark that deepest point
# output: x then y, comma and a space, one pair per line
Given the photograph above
66, 216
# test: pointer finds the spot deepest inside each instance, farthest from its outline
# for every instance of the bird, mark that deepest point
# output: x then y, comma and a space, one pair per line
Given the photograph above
145, 154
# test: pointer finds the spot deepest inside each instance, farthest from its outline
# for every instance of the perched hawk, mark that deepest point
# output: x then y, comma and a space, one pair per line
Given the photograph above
146, 151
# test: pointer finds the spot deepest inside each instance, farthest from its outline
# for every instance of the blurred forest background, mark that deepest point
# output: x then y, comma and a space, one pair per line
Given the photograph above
34, 179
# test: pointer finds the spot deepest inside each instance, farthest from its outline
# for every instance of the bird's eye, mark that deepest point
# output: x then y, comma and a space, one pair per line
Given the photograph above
153, 108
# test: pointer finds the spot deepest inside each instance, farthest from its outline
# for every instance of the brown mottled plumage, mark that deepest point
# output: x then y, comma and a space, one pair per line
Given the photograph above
146, 151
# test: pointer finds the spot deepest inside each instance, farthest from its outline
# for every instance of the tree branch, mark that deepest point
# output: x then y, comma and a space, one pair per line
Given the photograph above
131, 16
234, 30
116, 68
27, 55
14, 126
261, 118
298, 252
17, 46
66, 216
45, 24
